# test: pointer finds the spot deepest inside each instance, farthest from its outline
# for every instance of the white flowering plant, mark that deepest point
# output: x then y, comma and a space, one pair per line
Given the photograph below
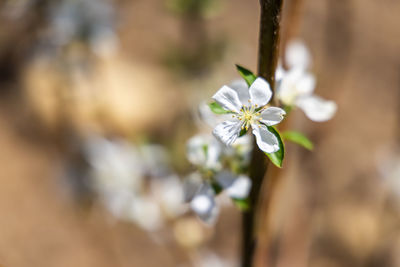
249, 105
242, 106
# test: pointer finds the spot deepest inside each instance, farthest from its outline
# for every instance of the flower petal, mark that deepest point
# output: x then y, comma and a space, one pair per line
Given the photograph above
191, 185
295, 83
195, 152
235, 187
228, 131
240, 86
297, 55
228, 99
260, 92
266, 141
306, 84
204, 151
213, 153
203, 204
272, 116
316, 108
240, 188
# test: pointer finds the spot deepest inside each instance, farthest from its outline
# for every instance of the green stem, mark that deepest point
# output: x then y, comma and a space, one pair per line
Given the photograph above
267, 61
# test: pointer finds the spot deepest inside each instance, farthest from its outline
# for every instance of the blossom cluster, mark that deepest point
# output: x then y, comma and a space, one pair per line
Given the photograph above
242, 106
134, 182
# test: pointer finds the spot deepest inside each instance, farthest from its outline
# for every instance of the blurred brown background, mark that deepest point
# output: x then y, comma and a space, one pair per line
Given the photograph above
336, 206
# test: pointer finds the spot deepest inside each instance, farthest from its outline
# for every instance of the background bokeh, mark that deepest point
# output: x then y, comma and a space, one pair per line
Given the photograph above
74, 71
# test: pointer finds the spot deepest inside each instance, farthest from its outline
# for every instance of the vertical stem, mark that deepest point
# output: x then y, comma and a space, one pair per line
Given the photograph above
269, 39
267, 61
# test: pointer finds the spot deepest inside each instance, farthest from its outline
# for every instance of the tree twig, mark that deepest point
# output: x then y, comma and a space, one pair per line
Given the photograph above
267, 61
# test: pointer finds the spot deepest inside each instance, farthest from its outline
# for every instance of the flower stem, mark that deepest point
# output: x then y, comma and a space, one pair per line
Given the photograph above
268, 48
267, 61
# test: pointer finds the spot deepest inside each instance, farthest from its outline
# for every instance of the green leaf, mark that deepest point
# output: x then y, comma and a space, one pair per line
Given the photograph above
241, 204
298, 138
247, 75
277, 157
217, 109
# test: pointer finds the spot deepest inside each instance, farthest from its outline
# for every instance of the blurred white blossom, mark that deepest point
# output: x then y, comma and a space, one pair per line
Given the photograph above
206, 152
90, 21
134, 182
295, 87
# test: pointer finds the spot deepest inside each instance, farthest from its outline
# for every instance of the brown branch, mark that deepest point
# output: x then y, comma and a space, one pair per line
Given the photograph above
267, 61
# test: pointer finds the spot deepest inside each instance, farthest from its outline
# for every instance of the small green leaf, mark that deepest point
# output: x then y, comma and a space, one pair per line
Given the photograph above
277, 157
242, 204
298, 138
217, 109
247, 75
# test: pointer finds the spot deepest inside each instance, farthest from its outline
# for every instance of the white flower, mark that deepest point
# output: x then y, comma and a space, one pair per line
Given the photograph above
297, 55
115, 165
202, 198
249, 110
237, 187
118, 175
204, 151
295, 87
201, 194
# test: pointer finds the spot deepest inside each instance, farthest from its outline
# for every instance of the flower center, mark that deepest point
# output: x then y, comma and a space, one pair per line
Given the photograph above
249, 115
